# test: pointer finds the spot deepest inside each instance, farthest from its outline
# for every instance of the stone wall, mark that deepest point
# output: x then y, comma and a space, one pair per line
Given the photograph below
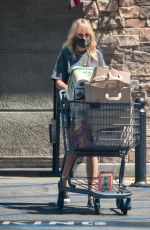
122, 29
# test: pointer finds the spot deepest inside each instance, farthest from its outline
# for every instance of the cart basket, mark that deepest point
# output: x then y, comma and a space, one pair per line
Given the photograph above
107, 128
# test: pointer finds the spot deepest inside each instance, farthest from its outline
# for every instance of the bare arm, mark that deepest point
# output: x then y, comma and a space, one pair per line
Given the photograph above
60, 84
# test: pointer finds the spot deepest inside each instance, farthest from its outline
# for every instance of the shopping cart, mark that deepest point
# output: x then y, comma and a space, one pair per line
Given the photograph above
98, 129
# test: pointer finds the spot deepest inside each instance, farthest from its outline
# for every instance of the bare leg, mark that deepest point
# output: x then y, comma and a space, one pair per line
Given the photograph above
68, 163
92, 170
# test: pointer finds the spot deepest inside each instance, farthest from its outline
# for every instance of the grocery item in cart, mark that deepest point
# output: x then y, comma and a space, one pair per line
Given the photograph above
107, 75
81, 136
78, 77
105, 182
108, 85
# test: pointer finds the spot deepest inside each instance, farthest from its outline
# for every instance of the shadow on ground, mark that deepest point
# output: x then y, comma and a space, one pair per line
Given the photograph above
52, 209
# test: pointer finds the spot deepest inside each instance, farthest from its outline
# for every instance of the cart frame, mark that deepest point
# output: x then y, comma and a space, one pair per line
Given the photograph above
70, 115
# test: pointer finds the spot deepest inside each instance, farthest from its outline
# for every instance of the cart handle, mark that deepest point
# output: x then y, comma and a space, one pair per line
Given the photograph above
62, 93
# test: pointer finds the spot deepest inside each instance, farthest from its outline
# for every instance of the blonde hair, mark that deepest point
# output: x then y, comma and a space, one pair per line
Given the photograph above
85, 25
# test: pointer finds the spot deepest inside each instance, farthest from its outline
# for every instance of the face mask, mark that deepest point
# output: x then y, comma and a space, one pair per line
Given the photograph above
82, 42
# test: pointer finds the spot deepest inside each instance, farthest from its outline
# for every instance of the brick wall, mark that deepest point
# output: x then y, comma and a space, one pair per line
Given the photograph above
122, 28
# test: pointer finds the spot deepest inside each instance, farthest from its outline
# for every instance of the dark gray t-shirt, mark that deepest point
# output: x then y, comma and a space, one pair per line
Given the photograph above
67, 60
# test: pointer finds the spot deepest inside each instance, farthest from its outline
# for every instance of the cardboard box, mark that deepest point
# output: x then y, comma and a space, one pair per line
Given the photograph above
94, 93
108, 85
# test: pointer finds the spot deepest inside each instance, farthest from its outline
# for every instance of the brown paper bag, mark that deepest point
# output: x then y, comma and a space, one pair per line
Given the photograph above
108, 75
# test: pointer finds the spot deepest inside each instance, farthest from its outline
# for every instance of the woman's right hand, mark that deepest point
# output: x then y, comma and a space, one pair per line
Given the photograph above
61, 85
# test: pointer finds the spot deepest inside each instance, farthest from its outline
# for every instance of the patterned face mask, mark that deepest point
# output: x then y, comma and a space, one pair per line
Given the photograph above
82, 42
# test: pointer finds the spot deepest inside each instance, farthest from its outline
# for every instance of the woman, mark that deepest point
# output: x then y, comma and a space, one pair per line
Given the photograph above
78, 50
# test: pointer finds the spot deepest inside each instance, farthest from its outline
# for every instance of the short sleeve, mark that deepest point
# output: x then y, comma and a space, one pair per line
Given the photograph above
60, 71
100, 58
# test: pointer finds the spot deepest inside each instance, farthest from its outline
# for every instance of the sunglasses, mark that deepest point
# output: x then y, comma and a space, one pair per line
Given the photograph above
83, 35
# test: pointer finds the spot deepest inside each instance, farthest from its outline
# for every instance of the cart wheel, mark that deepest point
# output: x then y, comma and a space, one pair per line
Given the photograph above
124, 205
97, 205
60, 201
